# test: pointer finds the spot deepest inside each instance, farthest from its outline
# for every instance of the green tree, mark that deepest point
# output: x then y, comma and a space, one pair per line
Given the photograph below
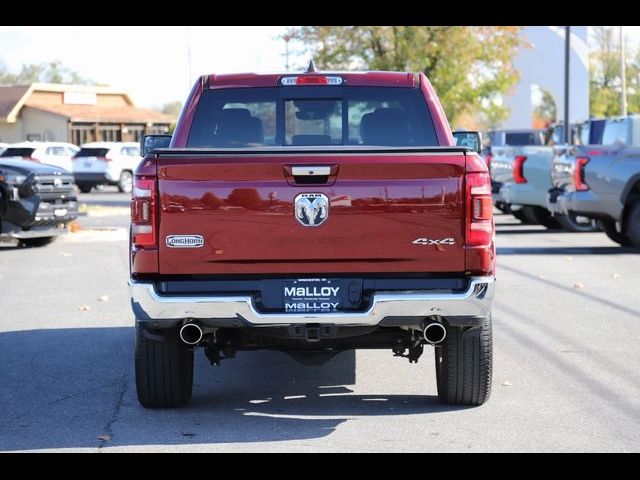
545, 109
633, 82
604, 73
470, 67
172, 108
48, 72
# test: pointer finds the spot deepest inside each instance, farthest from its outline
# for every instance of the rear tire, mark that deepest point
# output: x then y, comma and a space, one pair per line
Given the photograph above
519, 214
571, 223
633, 224
37, 242
85, 188
611, 231
125, 183
541, 216
164, 369
464, 365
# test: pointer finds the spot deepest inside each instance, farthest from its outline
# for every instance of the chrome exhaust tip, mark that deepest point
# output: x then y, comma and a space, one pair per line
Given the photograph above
191, 333
435, 333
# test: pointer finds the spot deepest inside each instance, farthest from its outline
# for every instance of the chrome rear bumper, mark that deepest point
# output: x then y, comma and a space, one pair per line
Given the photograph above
473, 303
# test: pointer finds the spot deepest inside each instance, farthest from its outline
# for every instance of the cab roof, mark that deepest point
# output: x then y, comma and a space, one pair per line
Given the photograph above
358, 79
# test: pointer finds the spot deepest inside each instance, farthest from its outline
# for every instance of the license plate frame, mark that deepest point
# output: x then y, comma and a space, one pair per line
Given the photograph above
312, 295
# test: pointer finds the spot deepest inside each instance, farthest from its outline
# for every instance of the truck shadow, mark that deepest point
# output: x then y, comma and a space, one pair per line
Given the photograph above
525, 231
64, 388
566, 250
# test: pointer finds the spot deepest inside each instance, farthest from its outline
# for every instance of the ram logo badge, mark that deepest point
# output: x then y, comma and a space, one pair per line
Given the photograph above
185, 241
430, 241
311, 209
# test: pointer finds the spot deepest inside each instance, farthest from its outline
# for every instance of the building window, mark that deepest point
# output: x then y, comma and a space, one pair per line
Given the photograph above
157, 130
132, 133
109, 133
81, 134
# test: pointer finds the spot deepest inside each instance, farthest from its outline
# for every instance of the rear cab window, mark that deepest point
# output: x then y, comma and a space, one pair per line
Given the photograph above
522, 139
92, 152
18, 152
312, 116
617, 132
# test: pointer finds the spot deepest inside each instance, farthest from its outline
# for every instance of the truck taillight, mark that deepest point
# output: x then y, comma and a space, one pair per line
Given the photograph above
106, 158
518, 169
578, 174
479, 209
143, 212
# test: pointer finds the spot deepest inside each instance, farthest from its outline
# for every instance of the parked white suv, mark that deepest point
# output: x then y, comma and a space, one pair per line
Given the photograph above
106, 163
50, 153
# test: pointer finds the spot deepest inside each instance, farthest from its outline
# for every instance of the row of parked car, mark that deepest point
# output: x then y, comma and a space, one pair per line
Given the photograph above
592, 184
92, 164
38, 184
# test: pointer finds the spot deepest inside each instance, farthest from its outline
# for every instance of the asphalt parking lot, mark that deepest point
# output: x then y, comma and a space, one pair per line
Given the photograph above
567, 350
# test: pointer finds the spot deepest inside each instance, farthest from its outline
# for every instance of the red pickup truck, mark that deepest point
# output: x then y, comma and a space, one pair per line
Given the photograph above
312, 213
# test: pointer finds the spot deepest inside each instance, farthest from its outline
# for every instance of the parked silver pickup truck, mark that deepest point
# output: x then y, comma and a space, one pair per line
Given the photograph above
524, 175
602, 181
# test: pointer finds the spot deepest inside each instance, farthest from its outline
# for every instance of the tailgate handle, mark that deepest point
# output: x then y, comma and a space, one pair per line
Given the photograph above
310, 174
311, 171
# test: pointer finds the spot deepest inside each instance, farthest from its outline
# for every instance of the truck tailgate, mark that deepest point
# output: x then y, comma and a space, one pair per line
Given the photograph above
388, 212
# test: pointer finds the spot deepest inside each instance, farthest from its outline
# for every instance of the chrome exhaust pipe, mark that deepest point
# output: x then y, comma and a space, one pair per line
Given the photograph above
435, 333
191, 333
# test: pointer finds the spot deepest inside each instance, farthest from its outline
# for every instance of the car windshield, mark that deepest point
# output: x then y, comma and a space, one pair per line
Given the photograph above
520, 139
300, 116
92, 152
18, 152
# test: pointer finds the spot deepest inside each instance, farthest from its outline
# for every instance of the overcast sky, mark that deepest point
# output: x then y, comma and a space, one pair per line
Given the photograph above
151, 63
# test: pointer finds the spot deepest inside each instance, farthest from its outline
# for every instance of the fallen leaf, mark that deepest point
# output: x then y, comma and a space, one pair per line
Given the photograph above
84, 308
569, 259
579, 285
75, 227
103, 298
65, 254
104, 437
615, 275
506, 383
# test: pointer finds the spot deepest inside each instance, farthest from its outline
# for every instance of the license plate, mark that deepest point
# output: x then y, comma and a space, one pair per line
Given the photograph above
60, 212
312, 295
88, 164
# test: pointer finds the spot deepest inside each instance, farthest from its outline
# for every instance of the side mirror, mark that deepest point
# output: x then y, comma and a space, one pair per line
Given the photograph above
471, 140
148, 143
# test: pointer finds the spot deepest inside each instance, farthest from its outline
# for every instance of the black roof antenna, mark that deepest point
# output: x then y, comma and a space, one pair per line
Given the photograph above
312, 67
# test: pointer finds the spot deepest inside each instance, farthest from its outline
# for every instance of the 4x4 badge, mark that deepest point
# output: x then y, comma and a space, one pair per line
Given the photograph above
437, 241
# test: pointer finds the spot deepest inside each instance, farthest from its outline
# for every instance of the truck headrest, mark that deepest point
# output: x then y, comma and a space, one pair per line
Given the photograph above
385, 126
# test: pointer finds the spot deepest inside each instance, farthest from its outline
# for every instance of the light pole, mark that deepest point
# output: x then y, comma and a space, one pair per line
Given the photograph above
567, 57
623, 76
287, 38
188, 56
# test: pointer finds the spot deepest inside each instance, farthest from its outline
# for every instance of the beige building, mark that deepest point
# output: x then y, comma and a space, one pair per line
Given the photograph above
75, 114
